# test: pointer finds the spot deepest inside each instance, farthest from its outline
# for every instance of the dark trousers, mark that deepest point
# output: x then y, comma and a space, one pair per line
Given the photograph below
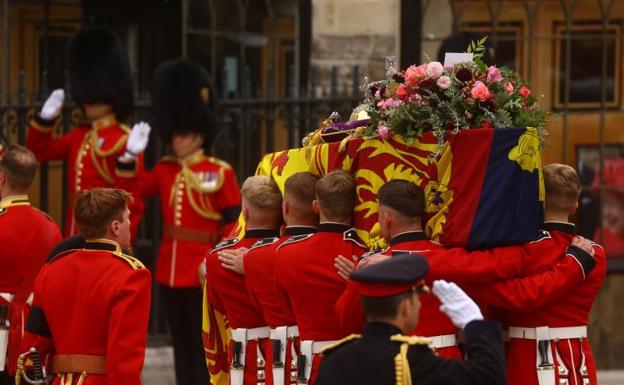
5, 379
183, 309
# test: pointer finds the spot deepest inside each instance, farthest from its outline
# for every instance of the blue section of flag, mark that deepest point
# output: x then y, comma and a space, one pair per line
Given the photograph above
509, 210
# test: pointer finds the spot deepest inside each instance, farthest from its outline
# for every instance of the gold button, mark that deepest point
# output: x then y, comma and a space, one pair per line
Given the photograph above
80, 166
180, 192
178, 222
260, 362
260, 374
178, 215
181, 185
178, 207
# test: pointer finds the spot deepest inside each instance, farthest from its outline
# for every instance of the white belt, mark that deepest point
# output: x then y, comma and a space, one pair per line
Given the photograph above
309, 349
4, 335
443, 341
251, 334
317, 346
291, 332
243, 335
283, 334
564, 333
7, 296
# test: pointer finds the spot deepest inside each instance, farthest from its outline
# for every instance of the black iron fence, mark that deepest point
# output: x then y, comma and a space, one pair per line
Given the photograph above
250, 127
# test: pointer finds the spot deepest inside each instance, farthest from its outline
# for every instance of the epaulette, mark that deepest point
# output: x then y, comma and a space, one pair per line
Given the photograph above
373, 252
295, 239
220, 162
264, 242
224, 244
542, 235
340, 343
351, 235
411, 340
133, 262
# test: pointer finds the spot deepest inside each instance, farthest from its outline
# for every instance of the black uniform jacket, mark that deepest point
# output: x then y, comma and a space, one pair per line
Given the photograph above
371, 359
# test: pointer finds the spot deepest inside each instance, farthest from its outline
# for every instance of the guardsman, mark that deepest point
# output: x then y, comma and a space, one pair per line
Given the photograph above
306, 277
400, 209
199, 202
100, 151
226, 289
259, 270
91, 306
391, 291
27, 235
548, 340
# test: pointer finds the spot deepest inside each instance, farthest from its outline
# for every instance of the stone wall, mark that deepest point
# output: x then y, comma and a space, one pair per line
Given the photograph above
346, 33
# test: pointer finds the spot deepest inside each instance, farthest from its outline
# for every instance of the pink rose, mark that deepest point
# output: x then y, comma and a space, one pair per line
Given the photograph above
415, 98
414, 74
494, 75
524, 92
378, 94
444, 82
434, 70
384, 131
402, 92
480, 91
388, 103
509, 88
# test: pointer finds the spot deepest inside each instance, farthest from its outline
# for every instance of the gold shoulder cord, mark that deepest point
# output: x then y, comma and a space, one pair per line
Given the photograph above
133, 262
401, 363
203, 208
96, 152
340, 342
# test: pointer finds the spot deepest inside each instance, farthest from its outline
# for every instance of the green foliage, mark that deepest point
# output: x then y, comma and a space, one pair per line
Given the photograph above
477, 48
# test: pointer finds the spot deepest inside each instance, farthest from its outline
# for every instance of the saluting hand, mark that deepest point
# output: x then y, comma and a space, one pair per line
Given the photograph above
139, 136
456, 304
233, 259
53, 105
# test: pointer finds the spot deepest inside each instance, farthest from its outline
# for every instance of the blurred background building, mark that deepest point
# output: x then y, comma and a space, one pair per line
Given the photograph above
283, 65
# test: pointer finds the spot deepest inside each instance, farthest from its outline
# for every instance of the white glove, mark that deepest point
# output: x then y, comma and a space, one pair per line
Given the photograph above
456, 304
137, 141
52, 107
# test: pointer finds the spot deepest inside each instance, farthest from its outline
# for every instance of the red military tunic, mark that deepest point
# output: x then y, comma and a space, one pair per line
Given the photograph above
94, 301
527, 306
307, 280
199, 201
91, 153
27, 235
227, 292
453, 264
260, 264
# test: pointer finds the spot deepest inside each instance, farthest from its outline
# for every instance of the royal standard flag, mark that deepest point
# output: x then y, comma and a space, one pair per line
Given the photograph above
483, 187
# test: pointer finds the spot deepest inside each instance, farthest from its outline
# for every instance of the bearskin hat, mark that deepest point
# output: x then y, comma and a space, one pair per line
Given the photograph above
99, 70
184, 100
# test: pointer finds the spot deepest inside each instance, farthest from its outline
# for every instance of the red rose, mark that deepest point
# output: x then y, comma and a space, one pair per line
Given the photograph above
402, 93
524, 92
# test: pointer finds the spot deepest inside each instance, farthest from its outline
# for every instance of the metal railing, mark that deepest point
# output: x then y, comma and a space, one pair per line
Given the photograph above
248, 130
